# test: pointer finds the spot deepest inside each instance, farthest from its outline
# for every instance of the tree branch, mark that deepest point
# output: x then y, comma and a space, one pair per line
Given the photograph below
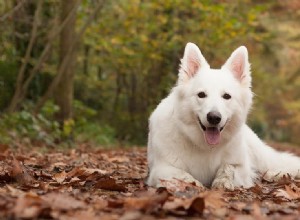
66, 59
12, 11
21, 73
55, 31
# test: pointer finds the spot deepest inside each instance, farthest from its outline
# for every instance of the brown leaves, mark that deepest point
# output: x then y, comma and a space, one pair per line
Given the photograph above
20, 173
147, 201
209, 200
60, 177
62, 201
31, 205
109, 184
290, 192
28, 206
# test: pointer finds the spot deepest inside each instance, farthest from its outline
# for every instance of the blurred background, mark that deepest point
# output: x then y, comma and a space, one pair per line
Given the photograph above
91, 71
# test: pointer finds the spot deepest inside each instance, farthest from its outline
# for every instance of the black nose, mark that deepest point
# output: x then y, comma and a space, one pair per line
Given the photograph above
214, 117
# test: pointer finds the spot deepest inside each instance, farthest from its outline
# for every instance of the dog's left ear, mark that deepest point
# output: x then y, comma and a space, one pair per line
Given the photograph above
238, 64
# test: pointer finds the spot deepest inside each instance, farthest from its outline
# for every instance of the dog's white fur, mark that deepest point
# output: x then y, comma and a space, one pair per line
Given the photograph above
177, 145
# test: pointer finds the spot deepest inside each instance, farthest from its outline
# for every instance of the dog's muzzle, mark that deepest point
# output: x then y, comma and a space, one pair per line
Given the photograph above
212, 134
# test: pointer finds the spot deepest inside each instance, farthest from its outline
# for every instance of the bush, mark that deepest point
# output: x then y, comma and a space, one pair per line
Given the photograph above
26, 128
88, 129
41, 129
95, 133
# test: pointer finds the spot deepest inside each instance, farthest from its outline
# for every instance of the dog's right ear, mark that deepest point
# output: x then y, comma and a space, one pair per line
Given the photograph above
191, 63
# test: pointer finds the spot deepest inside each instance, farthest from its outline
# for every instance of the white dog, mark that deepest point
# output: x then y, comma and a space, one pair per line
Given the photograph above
199, 132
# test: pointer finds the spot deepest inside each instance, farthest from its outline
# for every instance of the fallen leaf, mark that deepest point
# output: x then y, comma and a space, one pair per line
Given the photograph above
20, 173
60, 177
109, 183
29, 205
198, 205
213, 199
209, 199
239, 206
14, 191
89, 171
61, 201
85, 173
289, 193
256, 211
147, 200
132, 215
118, 159
3, 148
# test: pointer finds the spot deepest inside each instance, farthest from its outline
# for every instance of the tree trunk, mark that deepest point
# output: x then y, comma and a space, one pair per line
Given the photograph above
65, 73
63, 93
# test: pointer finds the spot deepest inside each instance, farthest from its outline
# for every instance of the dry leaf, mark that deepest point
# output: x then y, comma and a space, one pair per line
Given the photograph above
20, 173
146, 201
214, 199
60, 201
29, 206
60, 177
109, 183
289, 193
198, 205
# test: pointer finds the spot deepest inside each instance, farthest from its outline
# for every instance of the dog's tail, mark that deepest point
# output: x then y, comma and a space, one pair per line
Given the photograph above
268, 161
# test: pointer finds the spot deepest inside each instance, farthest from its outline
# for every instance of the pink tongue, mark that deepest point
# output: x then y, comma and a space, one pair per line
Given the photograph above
212, 136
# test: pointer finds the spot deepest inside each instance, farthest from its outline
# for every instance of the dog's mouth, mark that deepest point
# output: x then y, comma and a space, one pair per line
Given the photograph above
212, 134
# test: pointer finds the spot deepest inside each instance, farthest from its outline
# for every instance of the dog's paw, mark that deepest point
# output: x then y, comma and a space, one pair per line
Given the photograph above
177, 182
224, 178
223, 183
190, 179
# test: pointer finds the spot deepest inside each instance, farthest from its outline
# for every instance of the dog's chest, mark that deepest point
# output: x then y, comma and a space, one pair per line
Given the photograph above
202, 165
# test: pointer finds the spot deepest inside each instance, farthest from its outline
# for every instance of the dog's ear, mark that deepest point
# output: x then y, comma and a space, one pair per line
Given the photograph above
238, 65
191, 63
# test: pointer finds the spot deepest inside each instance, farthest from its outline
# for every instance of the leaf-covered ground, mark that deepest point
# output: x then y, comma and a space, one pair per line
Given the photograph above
109, 184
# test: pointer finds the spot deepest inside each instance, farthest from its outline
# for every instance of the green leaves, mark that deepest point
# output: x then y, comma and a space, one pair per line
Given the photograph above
138, 45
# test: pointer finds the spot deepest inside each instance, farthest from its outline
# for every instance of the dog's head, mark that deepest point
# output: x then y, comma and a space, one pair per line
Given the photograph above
218, 100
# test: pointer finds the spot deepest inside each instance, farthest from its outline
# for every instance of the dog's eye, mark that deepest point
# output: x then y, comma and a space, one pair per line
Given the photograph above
226, 96
201, 95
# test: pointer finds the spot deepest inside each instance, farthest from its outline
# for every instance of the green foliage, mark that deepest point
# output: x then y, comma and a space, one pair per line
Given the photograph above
23, 127
87, 128
8, 72
96, 134
26, 128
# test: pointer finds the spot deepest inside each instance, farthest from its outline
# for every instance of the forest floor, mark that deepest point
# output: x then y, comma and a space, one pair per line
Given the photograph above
105, 184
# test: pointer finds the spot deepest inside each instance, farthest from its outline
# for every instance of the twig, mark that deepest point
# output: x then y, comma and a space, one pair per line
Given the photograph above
21, 73
12, 11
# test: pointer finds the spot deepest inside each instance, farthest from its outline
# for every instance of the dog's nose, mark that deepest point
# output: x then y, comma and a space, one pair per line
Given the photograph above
214, 117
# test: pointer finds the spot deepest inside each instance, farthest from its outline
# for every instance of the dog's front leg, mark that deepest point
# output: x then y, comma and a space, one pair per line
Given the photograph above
170, 173
224, 177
